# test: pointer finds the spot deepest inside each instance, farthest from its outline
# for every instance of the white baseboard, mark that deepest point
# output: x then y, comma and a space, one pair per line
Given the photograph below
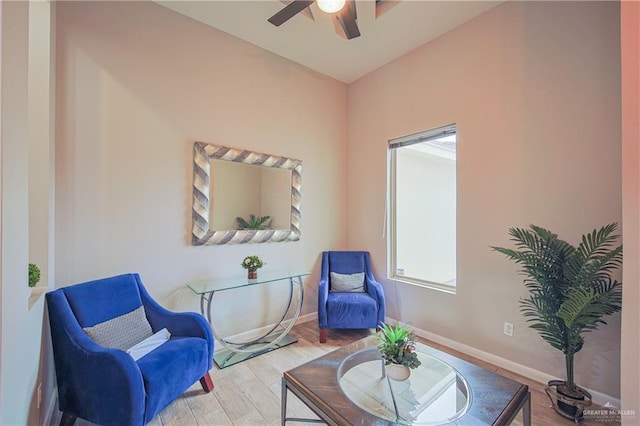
307, 317
599, 398
51, 406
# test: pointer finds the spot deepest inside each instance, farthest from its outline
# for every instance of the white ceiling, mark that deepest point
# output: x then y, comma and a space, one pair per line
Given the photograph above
314, 42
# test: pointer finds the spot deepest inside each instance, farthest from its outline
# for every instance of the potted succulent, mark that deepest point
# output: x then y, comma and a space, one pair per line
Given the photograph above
252, 264
397, 347
570, 290
34, 275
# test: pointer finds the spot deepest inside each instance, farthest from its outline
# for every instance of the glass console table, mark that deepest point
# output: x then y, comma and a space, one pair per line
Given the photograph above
276, 335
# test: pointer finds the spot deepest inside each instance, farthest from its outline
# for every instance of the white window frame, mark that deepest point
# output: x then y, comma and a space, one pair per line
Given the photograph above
392, 271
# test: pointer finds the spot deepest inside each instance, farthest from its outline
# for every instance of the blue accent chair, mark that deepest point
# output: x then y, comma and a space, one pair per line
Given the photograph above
343, 310
105, 385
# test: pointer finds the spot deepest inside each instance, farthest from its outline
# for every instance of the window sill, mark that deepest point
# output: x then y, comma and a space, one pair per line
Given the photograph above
36, 292
424, 284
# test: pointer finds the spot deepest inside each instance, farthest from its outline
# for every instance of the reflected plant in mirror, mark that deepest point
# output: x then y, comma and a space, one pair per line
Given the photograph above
242, 196
254, 222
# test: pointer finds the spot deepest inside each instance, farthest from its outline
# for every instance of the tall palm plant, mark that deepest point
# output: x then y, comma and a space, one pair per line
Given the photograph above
570, 288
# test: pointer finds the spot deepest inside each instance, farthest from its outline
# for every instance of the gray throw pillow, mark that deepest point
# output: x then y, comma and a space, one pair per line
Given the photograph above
121, 332
347, 282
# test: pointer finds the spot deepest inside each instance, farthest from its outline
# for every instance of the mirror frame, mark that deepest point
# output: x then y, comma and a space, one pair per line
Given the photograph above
201, 234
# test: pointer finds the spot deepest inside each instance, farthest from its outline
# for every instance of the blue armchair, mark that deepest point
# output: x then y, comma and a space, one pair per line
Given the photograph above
107, 386
343, 302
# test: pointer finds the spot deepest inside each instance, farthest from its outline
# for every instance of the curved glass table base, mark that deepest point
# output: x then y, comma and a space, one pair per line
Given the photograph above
277, 334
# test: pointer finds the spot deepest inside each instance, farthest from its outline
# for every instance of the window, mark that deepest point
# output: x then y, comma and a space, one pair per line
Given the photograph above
422, 206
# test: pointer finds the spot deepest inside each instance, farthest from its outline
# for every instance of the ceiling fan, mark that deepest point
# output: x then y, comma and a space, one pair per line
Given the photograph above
344, 12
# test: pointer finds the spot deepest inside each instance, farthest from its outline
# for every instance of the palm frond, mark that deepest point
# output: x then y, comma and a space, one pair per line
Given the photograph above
610, 286
588, 269
596, 256
254, 222
542, 317
542, 257
579, 310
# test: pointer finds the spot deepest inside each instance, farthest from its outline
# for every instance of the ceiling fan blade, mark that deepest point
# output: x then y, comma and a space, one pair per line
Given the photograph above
289, 11
347, 18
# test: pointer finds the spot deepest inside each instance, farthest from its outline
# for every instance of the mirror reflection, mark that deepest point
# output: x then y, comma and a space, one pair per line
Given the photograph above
250, 193
242, 196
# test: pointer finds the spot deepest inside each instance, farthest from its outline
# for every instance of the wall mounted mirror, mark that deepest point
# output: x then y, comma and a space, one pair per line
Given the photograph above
229, 183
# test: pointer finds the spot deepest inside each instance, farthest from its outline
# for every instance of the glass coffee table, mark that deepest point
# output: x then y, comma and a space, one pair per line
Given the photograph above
349, 386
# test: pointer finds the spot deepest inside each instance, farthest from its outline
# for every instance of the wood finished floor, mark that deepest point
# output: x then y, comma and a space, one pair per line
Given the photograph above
248, 393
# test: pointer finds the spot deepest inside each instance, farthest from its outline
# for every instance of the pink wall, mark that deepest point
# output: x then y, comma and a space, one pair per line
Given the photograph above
630, 23
137, 85
534, 88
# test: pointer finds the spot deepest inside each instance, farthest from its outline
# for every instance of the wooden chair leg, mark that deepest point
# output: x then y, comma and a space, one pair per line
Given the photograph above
323, 335
67, 419
207, 383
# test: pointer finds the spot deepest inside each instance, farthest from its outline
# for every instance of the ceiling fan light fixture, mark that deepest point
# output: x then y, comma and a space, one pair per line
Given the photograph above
331, 6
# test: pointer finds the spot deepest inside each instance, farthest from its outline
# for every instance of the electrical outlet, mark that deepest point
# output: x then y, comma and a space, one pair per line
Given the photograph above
400, 271
508, 329
39, 395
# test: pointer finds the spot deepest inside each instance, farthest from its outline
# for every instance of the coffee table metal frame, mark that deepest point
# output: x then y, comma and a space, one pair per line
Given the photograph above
274, 338
495, 400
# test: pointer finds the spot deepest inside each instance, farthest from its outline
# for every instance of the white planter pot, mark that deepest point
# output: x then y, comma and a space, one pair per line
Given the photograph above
398, 372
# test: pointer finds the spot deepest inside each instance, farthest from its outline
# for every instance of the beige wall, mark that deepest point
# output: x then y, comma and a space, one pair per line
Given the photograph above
137, 85
40, 152
630, 377
25, 122
534, 89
